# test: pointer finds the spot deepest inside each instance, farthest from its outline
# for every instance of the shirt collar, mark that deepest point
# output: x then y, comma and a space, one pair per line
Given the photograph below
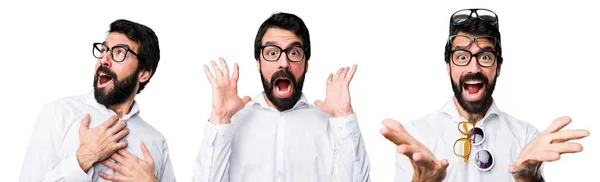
451, 110
90, 100
260, 100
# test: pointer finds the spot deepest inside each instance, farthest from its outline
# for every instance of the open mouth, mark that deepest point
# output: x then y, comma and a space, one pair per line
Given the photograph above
473, 90
104, 79
282, 87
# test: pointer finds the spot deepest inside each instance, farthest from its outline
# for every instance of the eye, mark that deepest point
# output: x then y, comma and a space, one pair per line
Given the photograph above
120, 52
294, 52
462, 57
272, 53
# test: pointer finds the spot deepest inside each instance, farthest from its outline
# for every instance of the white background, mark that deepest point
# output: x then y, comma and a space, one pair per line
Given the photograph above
550, 69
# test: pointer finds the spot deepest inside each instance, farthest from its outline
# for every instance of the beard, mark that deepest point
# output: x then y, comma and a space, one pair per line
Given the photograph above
122, 89
283, 104
474, 107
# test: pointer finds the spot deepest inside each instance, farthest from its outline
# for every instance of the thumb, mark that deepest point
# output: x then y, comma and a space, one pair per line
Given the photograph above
319, 104
444, 164
146, 153
246, 99
85, 123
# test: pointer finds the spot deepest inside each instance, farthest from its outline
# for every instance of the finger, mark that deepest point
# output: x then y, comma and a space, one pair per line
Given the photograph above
117, 127
110, 121
113, 166
217, 70
236, 72
344, 73
126, 154
224, 67
85, 123
568, 147
121, 134
120, 145
117, 157
351, 73
330, 78
319, 104
337, 75
425, 160
112, 177
147, 157
393, 125
543, 156
407, 150
566, 135
209, 75
558, 124
444, 164
246, 99
394, 137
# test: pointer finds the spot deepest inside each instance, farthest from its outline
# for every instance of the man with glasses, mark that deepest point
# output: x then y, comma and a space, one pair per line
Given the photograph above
100, 136
470, 139
278, 135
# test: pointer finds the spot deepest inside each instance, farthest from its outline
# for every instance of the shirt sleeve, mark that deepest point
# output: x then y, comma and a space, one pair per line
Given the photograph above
212, 163
167, 174
350, 160
43, 160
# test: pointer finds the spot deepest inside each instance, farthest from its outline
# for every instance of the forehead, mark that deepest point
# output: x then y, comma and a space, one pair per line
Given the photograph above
280, 37
116, 38
464, 39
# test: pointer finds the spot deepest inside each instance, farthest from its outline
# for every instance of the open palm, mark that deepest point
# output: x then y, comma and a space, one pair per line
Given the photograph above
226, 101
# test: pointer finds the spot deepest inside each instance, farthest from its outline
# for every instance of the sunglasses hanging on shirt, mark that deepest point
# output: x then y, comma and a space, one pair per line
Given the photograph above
473, 136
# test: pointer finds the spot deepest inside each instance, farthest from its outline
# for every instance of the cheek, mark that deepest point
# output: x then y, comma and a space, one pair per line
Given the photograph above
298, 69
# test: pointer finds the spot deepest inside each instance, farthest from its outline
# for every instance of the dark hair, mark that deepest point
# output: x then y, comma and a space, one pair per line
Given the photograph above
148, 51
478, 27
284, 21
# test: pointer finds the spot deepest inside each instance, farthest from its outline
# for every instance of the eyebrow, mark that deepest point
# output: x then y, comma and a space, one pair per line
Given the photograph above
460, 47
122, 45
293, 44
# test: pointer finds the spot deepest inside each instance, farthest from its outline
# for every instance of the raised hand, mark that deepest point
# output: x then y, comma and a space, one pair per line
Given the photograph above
97, 144
337, 96
426, 166
226, 101
130, 168
546, 147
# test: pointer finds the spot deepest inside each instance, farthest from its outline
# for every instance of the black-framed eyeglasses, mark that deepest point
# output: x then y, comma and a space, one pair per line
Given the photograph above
463, 41
484, 58
118, 53
272, 53
463, 15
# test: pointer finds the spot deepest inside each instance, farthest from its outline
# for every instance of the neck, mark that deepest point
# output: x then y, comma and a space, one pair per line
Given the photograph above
123, 108
471, 117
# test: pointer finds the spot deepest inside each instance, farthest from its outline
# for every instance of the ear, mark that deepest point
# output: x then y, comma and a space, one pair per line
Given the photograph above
305, 66
144, 75
448, 69
258, 65
498, 70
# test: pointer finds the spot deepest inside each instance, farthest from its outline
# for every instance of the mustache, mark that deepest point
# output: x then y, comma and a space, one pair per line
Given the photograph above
475, 76
108, 72
283, 74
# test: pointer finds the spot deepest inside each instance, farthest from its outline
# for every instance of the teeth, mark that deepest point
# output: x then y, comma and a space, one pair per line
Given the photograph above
473, 82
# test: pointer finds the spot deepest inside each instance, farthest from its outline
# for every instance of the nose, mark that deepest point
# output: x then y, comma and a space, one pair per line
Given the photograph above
473, 66
283, 61
106, 60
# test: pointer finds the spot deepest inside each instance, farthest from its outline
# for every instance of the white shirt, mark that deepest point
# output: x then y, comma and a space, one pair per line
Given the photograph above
51, 152
301, 144
505, 137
